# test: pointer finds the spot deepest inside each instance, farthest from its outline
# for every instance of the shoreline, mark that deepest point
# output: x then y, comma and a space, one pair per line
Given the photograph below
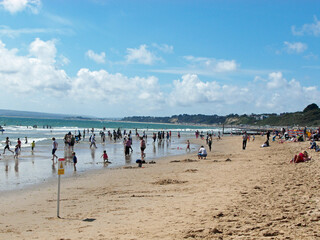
52, 180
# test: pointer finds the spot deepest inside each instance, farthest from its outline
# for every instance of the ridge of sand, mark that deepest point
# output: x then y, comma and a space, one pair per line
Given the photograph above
256, 195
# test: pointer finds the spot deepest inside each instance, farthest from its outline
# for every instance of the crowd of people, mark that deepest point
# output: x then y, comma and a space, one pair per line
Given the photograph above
71, 139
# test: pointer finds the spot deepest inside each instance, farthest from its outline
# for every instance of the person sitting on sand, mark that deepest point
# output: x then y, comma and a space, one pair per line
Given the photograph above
140, 162
301, 157
202, 153
266, 144
313, 144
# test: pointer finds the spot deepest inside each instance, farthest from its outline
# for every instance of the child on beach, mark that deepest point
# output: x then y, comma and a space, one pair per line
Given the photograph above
105, 157
16, 151
75, 160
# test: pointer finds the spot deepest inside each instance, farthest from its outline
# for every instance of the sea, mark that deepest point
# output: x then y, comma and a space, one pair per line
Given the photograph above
36, 167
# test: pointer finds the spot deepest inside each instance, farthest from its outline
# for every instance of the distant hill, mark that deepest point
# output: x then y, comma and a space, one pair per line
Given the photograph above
310, 116
27, 114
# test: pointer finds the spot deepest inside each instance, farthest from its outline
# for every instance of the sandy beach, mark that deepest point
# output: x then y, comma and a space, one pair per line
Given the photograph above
233, 194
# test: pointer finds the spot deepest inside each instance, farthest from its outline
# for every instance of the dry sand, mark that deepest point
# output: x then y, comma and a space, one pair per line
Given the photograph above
256, 195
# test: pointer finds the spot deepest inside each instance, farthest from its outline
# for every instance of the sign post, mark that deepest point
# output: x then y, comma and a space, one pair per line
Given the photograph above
60, 172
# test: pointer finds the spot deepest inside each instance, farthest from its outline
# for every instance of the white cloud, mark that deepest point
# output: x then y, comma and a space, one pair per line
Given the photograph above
141, 55
14, 6
163, 47
37, 76
98, 58
191, 91
276, 80
226, 66
58, 19
280, 95
12, 33
312, 28
275, 94
116, 89
31, 74
296, 47
63, 60
44, 51
212, 64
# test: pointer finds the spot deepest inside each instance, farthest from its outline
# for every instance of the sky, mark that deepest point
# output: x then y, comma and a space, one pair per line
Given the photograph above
117, 58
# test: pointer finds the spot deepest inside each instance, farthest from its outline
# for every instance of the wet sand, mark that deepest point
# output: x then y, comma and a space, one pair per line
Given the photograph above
256, 195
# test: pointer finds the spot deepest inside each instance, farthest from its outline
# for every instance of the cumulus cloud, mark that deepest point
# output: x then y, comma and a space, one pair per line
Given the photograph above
37, 74
311, 29
14, 6
296, 47
98, 58
275, 94
141, 55
190, 90
33, 73
117, 89
43, 51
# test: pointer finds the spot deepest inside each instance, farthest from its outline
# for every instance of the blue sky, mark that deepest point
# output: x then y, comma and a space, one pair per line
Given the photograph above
123, 58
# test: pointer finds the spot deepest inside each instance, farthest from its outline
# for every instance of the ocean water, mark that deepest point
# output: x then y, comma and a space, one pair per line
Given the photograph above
37, 167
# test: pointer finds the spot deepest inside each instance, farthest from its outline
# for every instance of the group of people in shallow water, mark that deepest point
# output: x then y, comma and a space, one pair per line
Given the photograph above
17, 148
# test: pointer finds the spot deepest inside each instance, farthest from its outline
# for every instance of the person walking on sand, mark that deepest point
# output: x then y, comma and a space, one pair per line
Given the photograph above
7, 146
54, 148
210, 142
244, 140
75, 160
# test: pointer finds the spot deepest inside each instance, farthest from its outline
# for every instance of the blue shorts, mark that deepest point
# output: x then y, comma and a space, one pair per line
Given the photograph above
202, 155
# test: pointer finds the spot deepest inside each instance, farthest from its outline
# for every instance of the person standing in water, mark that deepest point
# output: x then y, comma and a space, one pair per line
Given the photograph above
33, 144
188, 146
54, 148
93, 141
75, 160
142, 147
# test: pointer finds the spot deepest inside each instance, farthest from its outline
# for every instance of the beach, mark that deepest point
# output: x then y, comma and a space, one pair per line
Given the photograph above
232, 194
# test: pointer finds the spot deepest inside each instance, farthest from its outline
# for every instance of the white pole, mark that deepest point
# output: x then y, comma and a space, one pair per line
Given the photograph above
58, 201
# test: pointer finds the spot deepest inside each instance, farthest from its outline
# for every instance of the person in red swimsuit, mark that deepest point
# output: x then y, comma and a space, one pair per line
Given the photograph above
301, 157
